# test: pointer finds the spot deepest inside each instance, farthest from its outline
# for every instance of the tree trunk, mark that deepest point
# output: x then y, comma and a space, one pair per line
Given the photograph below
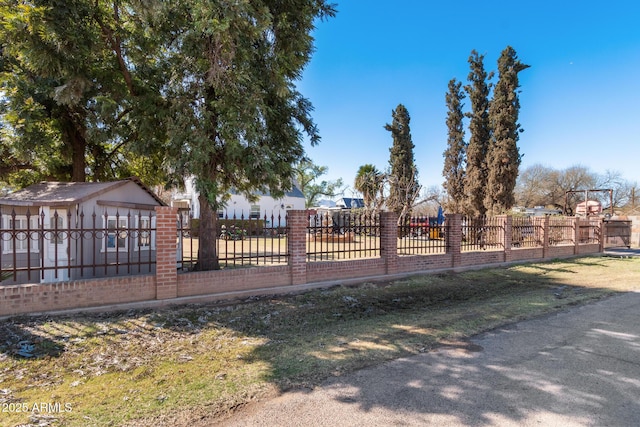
78, 162
75, 140
207, 250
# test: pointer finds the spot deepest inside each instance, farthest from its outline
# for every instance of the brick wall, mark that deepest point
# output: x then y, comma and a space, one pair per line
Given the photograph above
348, 269
414, 263
224, 281
168, 285
36, 298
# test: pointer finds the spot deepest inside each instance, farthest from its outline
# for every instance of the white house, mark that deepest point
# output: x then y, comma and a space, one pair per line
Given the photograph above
238, 205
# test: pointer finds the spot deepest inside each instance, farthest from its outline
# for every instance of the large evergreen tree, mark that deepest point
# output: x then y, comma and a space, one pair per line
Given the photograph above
480, 134
454, 170
237, 117
72, 105
503, 157
403, 175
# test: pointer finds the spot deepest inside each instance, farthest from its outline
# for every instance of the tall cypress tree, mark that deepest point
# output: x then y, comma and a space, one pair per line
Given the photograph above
504, 156
454, 156
476, 176
403, 178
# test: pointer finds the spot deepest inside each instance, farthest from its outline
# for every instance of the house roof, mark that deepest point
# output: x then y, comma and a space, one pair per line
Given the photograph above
295, 192
67, 193
349, 202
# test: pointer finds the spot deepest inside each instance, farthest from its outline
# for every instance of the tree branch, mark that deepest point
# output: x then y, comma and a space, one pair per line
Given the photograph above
116, 45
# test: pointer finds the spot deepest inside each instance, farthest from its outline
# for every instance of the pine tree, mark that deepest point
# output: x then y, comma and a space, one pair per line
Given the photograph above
74, 104
403, 176
503, 155
454, 156
237, 119
480, 134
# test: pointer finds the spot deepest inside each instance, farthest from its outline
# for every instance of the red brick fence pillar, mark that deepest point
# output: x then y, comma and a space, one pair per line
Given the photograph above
507, 235
297, 223
389, 241
454, 238
166, 246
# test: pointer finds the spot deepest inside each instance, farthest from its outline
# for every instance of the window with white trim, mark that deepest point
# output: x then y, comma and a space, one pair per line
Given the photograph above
117, 234
145, 236
15, 233
255, 212
56, 223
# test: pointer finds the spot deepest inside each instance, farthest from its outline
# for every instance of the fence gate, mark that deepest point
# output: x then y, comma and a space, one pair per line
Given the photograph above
617, 233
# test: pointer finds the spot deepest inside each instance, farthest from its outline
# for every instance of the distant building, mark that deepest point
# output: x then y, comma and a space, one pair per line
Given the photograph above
238, 206
326, 203
350, 203
538, 211
589, 208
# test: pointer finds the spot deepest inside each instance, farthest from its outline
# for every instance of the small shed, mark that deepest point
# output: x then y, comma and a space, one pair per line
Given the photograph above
59, 231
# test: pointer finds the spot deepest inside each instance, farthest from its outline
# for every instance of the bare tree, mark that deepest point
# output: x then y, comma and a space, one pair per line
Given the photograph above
408, 190
622, 189
429, 201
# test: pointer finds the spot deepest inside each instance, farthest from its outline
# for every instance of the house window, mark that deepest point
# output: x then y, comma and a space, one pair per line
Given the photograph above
145, 238
117, 233
56, 223
16, 235
255, 212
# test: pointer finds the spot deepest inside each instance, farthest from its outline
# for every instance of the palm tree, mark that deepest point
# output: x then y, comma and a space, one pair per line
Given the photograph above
369, 181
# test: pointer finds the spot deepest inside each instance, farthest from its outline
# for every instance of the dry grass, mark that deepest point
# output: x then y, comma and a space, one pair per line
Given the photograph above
175, 366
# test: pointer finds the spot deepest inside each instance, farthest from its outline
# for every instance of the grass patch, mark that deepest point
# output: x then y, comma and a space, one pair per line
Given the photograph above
176, 365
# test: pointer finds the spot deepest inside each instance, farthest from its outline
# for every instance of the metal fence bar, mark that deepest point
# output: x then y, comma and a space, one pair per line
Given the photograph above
31, 244
240, 241
343, 235
589, 231
482, 233
422, 235
526, 232
561, 231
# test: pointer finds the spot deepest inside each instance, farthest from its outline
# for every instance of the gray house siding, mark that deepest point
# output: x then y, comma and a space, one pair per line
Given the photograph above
99, 230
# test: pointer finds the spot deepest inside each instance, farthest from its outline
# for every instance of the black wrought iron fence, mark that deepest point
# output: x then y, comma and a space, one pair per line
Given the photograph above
561, 231
49, 247
526, 232
239, 240
589, 231
343, 235
482, 233
422, 235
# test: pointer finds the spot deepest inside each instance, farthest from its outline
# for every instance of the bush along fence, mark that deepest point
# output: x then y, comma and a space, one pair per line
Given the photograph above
267, 255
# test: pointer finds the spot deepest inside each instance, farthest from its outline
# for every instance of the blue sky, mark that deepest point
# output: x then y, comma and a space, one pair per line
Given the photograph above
579, 100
